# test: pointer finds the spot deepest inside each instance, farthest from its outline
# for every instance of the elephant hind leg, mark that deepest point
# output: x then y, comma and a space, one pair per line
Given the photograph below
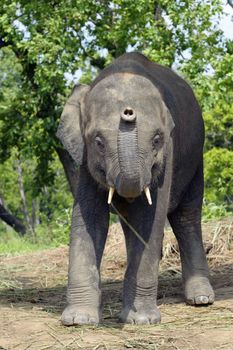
186, 225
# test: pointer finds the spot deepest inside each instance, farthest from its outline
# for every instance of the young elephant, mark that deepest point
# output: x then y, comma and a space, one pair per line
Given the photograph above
137, 134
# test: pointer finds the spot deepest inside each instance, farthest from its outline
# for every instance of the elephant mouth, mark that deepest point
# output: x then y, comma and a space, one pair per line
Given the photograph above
130, 199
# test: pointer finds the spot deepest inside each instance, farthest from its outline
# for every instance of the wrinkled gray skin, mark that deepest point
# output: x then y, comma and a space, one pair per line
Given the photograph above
161, 147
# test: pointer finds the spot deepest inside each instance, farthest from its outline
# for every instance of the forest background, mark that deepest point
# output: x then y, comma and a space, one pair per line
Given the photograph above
47, 46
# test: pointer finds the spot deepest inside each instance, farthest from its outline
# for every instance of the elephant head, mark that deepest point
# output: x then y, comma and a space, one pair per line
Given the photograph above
124, 125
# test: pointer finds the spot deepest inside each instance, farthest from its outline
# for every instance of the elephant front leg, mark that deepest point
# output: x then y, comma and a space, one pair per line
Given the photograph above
141, 277
88, 235
140, 290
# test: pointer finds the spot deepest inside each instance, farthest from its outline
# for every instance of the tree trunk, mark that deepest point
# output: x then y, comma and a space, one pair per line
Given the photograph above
23, 196
157, 12
70, 169
34, 219
230, 2
12, 221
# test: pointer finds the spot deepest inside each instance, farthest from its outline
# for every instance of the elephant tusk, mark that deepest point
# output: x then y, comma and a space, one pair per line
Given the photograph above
110, 194
148, 196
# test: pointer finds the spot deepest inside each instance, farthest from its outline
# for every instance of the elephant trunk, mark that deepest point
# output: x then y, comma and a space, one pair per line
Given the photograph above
128, 182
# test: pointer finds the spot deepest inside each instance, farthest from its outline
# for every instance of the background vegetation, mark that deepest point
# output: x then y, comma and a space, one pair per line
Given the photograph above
46, 46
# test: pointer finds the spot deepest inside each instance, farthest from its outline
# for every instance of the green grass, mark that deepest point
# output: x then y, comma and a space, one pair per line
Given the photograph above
49, 234
12, 244
216, 211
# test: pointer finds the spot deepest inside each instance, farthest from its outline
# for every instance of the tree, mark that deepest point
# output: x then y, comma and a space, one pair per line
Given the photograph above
217, 97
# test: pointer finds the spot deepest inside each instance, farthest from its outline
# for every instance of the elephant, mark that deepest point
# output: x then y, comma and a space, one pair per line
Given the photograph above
137, 134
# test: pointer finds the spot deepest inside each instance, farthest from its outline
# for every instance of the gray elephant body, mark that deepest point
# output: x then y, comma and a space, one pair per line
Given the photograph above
138, 126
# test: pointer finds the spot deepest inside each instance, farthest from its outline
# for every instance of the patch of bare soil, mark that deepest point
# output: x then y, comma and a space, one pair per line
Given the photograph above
32, 296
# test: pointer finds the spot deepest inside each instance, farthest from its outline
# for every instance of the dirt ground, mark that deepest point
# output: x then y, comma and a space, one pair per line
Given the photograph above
32, 296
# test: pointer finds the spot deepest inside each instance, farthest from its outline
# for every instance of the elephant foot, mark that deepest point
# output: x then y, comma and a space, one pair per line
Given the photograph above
198, 291
142, 315
76, 315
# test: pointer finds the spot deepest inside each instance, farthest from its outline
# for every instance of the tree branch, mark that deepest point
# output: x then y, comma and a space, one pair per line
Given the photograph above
12, 221
230, 2
3, 43
157, 12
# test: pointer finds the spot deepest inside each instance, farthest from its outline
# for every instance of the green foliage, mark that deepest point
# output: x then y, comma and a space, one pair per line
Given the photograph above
219, 127
219, 175
50, 214
12, 244
49, 234
217, 102
55, 232
113, 219
212, 210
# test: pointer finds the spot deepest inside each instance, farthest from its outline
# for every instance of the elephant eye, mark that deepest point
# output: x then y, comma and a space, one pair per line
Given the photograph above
100, 143
156, 140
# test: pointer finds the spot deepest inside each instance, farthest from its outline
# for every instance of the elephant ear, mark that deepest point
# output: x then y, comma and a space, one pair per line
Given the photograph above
169, 121
69, 129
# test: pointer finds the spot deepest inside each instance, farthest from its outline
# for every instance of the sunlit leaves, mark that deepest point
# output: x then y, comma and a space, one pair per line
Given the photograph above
219, 175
